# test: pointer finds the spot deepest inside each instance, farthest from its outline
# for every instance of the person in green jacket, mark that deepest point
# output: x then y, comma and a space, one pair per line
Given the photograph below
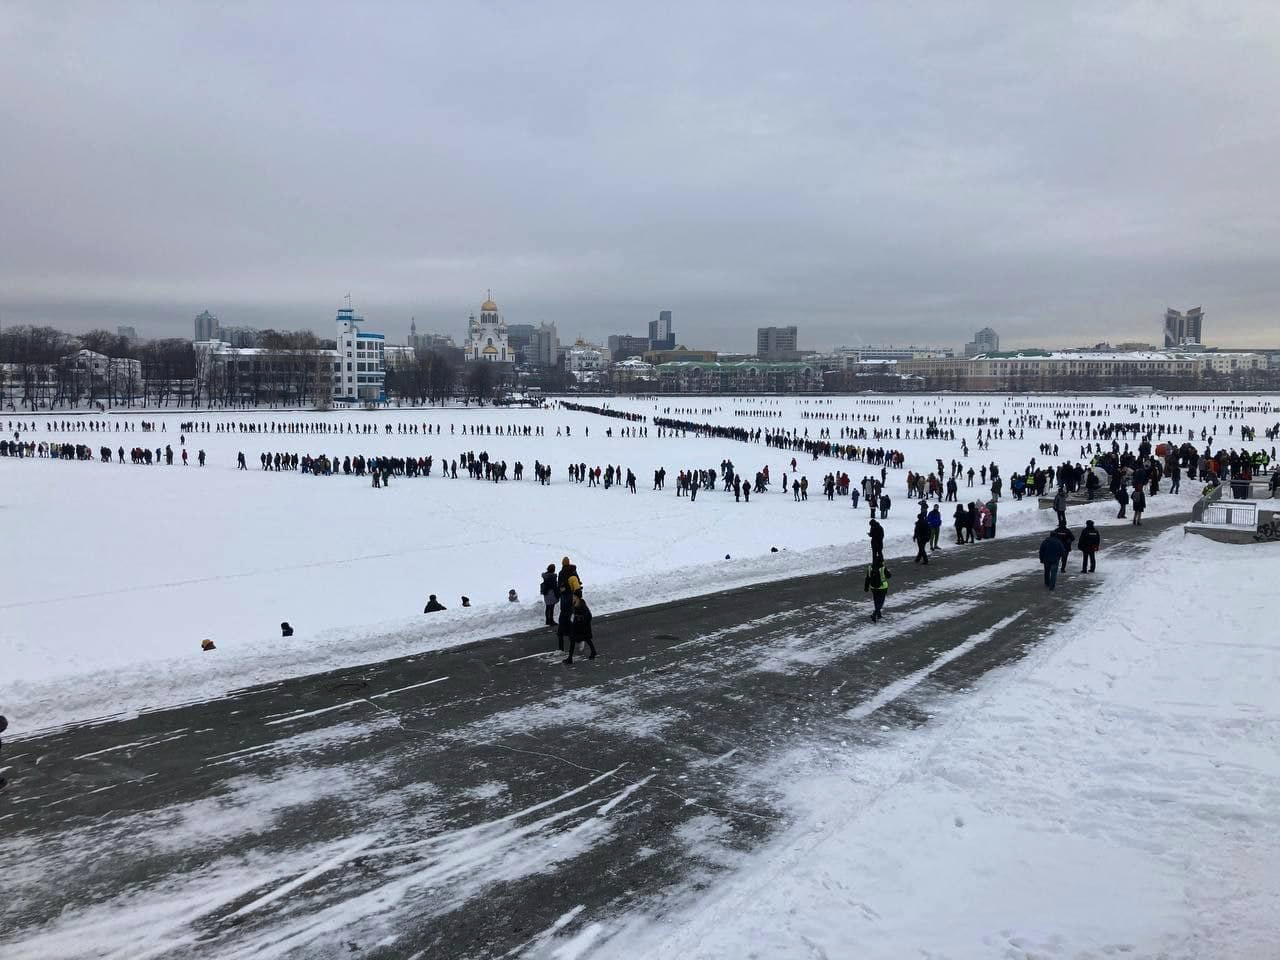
877, 582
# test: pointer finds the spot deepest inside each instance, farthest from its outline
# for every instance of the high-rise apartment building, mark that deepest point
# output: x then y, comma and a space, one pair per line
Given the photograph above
206, 327
661, 334
544, 346
1182, 329
985, 340
776, 343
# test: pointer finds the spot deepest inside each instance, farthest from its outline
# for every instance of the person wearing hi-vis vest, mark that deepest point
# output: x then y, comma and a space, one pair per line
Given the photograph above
877, 582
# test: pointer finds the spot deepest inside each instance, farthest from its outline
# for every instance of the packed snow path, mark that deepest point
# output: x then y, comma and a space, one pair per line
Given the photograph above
482, 800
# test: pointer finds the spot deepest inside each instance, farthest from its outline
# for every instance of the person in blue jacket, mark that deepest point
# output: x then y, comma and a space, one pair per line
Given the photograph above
1052, 553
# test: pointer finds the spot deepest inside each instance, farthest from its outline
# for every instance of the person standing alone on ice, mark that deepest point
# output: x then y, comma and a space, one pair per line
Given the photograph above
1051, 553
877, 583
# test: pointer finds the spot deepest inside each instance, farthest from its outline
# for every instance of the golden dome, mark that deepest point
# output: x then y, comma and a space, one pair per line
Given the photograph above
488, 307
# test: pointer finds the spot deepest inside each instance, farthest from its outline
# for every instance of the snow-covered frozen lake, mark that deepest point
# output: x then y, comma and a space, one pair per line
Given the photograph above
112, 574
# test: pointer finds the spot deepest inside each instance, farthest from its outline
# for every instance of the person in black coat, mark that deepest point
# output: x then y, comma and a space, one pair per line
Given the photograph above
1067, 538
1051, 551
564, 622
920, 534
4, 725
877, 539
433, 605
1139, 504
550, 593
580, 628
1090, 540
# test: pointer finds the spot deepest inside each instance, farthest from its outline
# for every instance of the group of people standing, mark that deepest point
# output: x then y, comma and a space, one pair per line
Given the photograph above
566, 608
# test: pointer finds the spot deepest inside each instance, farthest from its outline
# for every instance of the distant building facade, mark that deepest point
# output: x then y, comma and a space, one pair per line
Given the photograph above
587, 361
777, 343
487, 340
1065, 370
544, 346
742, 376
623, 345
1183, 329
128, 333
677, 354
848, 357
662, 335
429, 341
206, 327
985, 340
519, 336
362, 357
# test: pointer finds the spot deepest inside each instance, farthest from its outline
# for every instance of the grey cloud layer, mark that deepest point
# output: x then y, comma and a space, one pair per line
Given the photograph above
895, 171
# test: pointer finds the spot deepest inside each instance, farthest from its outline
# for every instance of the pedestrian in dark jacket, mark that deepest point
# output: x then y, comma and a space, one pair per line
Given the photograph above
877, 538
580, 628
962, 522
564, 623
1050, 556
550, 593
1090, 540
1067, 538
1139, 504
920, 534
877, 583
1122, 498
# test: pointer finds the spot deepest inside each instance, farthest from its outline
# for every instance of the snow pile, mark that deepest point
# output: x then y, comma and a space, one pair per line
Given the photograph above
1116, 794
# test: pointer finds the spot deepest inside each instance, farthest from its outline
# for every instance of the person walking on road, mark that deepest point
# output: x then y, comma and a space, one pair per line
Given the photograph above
580, 629
549, 593
920, 534
1050, 556
877, 583
1090, 540
1066, 538
1139, 504
877, 538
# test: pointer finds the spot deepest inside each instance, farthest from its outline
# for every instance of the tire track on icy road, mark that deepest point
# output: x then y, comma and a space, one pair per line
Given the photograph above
465, 801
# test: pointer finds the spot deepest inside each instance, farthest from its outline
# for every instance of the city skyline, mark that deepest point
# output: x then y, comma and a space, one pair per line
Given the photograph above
866, 174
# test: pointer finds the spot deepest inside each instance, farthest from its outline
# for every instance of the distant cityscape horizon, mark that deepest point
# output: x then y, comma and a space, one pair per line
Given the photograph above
739, 341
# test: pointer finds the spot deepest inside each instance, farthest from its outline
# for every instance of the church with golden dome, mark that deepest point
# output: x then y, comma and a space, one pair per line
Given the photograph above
487, 336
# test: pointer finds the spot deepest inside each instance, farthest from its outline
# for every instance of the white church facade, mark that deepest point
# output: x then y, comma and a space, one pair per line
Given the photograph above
487, 336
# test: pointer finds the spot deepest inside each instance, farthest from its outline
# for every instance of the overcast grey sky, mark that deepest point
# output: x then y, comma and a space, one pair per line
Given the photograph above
870, 172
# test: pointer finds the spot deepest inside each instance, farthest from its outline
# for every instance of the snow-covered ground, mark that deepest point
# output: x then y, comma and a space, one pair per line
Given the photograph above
1117, 794
112, 574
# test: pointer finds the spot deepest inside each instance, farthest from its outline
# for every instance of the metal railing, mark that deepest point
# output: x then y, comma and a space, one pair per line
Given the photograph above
1232, 513
1208, 499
